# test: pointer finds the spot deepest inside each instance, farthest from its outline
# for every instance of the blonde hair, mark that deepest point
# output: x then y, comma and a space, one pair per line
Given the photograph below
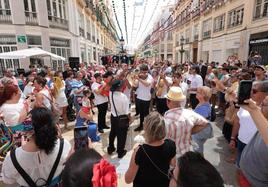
57, 85
154, 127
205, 92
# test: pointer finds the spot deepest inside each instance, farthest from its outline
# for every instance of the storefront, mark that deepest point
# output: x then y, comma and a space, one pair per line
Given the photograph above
259, 42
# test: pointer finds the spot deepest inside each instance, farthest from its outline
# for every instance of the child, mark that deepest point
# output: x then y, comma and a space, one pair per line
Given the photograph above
86, 107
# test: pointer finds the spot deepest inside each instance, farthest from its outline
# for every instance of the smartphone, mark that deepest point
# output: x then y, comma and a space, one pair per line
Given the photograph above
244, 91
80, 138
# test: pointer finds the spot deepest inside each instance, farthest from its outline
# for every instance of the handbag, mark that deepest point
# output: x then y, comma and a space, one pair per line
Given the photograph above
122, 120
28, 179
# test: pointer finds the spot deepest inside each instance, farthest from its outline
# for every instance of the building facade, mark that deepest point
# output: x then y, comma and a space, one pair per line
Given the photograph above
215, 30
69, 28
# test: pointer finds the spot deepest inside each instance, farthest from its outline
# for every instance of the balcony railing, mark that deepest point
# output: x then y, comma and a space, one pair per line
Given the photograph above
234, 24
187, 40
196, 37
206, 34
31, 18
5, 16
81, 32
88, 36
218, 29
196, 13
56, 22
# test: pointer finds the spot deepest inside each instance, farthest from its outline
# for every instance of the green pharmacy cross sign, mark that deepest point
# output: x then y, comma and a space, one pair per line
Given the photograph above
21, 39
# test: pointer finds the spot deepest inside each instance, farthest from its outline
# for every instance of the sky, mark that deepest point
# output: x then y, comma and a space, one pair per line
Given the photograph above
141, 15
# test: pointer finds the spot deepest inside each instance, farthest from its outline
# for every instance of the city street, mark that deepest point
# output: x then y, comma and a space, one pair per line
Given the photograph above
216, 151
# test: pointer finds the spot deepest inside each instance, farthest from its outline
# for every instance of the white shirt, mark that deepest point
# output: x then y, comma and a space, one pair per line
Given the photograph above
33, 166
61, 99
11, 112
247, 127
46, 96
121, 103
28, 89
184, 88
99, 99
127, 92
196, 81
143, 92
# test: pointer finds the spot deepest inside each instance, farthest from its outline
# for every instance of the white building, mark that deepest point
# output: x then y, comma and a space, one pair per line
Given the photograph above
69, 28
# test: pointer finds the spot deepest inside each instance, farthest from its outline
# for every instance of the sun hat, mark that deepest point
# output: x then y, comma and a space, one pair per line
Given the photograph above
175, 94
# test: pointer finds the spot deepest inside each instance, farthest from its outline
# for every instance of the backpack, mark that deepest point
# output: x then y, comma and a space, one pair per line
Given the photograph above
213, 114
28, 179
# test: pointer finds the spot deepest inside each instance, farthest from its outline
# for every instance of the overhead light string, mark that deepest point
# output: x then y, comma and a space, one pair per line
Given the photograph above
117, 19
125, 17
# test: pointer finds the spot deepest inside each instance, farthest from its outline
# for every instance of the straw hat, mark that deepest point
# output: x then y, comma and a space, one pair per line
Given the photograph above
175, 94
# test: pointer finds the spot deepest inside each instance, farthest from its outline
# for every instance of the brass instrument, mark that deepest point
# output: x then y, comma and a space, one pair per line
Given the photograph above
132, 78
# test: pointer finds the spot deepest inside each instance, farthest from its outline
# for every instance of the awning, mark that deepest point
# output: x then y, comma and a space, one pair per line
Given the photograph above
32, 52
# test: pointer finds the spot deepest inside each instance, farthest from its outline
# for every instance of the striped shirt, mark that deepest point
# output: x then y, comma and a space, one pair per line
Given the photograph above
179, 123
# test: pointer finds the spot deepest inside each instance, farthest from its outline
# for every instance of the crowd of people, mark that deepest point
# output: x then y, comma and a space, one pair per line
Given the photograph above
175, 103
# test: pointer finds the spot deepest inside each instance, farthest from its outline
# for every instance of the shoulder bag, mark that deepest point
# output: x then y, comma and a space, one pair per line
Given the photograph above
122, 120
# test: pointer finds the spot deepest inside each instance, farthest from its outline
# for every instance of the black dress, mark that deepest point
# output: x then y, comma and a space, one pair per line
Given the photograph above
148, 175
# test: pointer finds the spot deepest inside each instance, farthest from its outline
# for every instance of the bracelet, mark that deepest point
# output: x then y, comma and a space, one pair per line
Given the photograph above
233, 138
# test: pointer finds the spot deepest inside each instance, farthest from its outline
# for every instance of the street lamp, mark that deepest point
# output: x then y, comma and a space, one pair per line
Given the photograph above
182, 50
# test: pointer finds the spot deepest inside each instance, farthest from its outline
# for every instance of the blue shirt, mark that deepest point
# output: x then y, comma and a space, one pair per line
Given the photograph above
204, 110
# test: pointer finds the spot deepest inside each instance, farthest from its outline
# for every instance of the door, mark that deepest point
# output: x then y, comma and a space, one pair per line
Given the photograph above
195, 50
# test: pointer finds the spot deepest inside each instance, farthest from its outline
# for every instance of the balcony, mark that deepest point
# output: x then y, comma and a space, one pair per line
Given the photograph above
196, 13
196, 37
218, 29
88, 36
187, 40
31, 18
234, 24
5, 16
206, 34
81, 32
56, 22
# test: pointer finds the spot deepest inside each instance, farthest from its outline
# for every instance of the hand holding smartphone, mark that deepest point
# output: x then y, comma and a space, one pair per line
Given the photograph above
244, 91
81, 138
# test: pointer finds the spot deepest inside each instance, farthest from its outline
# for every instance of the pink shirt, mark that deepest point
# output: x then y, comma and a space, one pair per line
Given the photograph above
179, 123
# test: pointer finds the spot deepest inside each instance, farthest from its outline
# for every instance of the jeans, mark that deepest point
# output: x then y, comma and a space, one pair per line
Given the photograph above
144, 110
201, 137
120, 133
102, 110
161, 105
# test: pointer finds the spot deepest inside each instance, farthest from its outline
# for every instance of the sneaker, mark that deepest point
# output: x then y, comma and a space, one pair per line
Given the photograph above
138, 128
121, 155
110, 150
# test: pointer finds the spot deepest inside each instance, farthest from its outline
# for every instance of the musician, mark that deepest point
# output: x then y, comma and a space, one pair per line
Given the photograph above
162, 86
101, 101
143, 92
119, 106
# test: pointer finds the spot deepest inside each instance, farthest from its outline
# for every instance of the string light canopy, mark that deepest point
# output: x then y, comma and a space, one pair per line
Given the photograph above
117, 19
125, 17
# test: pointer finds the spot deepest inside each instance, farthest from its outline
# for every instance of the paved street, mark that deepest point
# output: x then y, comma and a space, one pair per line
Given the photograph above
216, 151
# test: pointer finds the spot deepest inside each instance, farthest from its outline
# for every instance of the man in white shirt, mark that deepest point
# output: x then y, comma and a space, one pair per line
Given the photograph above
119, 107
194, 81
143, 92
101, 101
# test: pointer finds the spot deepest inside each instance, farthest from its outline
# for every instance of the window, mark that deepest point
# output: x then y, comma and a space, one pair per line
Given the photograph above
261, 9
219, 23
5, 7
30, 10
196, 32
56, 8
207, 28
60, 47
7, 44
187, 36
235, 17
88, 30
34, 41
